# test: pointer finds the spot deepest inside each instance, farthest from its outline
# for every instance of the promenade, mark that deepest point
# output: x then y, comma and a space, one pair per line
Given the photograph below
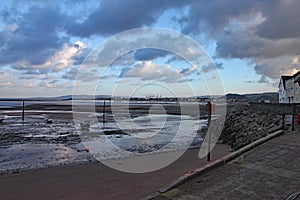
269, 171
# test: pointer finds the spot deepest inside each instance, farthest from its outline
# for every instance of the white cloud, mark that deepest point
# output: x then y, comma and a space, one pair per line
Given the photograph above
62, 59
274, 67
6, 83
150, 71
5, 75
59, 61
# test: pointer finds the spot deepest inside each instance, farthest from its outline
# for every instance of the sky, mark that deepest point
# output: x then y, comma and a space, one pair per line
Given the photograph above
45, 44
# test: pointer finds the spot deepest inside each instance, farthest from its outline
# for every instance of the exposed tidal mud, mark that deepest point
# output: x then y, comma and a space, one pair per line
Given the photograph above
50, 138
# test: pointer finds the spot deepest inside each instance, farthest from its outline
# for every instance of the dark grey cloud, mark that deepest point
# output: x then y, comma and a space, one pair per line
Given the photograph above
114, 16
245, 44
275, 67
271, 58
149, 54
266, 33
212, 16
240, 44
34, 38
260, 31
281, 20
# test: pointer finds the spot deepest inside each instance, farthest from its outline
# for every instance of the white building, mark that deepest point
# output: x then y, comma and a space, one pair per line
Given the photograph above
282, 89
289, 89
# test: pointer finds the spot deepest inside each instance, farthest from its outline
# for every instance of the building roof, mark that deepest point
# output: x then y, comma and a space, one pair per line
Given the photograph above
296, 78
284, 78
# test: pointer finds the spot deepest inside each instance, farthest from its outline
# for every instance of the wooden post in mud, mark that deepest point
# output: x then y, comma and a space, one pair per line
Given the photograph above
23, 113
103, 116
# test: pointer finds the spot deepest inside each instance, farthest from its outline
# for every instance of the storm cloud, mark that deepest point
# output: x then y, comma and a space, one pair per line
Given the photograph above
33, 37
51, 37
266, 33
114, 16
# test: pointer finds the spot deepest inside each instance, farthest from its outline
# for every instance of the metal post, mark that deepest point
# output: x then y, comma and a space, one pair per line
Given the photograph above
23, 113
283, 117
103, 119
293, 118
209, 136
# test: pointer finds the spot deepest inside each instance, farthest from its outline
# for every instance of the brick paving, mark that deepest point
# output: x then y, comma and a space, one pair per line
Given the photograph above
269, 171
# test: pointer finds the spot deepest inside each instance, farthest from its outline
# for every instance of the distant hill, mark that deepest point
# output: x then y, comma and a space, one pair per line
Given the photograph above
272, 96
253, 97
235, 96
60, 98
70, 97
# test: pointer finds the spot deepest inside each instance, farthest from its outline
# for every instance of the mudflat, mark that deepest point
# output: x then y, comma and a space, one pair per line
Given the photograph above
86, 180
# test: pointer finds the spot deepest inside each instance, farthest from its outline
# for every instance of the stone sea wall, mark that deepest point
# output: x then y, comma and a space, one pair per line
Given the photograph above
247, 123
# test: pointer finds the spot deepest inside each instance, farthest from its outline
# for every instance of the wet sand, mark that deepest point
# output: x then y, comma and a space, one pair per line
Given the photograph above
97, 181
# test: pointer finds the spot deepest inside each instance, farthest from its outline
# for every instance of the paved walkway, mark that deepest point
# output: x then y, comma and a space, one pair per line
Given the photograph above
269, 171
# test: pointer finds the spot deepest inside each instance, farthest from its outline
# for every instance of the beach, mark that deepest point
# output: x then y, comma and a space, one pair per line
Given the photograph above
97, 181
49, 135
46, 154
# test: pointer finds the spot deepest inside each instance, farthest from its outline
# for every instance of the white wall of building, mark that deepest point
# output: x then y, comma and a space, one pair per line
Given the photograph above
282, 92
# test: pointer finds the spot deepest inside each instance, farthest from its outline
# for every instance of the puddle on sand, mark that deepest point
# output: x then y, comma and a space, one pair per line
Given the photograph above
32, 156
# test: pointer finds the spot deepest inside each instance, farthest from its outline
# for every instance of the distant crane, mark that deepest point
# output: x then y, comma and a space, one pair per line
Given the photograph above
153, 96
